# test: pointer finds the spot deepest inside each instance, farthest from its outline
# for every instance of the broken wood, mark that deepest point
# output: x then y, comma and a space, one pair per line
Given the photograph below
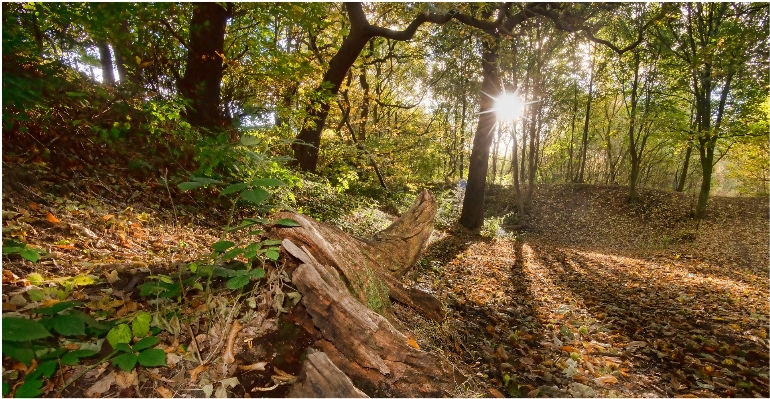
346, 285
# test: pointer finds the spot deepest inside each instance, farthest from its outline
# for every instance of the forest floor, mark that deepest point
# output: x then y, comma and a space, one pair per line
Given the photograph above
596, 298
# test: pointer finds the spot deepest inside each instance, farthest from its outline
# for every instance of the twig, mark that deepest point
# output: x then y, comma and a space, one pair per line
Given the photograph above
165, 182
195, 344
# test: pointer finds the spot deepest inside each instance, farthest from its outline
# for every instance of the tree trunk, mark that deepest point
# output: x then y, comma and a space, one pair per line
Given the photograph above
202, 81
685, 167
472, 215
105, 59
584, 150
346, 285
515, 174
309, 138
707, 166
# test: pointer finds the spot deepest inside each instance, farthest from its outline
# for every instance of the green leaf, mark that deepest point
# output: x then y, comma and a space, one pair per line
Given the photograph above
58, 307
272, 254
54, 354
271, 242
30, 254
244, 224
286, 222
222, 246
249, 141
255, 195
68, 325
238, 282
257, 273
145, 343
232, 253
233, 188
36, 294
35, 278
206, 180
141, 324
18, 329
268, 182
90, 321
119, 334
125, 361
152, 358
189, 185
222, 272
124, 348
6, 388
44, 369
24, 355
29, 389
72, 358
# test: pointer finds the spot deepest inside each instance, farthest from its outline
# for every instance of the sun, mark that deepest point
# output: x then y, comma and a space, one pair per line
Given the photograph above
508, 107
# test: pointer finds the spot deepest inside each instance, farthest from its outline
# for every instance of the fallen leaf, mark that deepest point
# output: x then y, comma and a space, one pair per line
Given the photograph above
164, 392
496, 393
129, 307
112, 276
413, 343
607, 379
107, 217
259, 366
69, 247
9, 277
102, 386
201, 368
51, 218
34, 206
125, 379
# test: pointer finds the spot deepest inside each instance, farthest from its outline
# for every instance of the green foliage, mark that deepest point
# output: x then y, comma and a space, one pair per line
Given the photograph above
31, 254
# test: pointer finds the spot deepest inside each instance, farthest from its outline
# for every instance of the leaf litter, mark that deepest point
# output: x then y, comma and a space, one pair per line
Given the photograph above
597, 298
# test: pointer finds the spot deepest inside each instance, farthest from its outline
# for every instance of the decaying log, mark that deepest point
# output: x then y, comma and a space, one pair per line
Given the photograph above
346, 283
320, 378
370, 268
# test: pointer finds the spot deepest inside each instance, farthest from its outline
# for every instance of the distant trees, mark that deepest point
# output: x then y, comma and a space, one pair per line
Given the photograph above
397, 94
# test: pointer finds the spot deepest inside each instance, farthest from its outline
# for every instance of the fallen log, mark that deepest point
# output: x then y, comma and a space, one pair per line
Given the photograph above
346, 285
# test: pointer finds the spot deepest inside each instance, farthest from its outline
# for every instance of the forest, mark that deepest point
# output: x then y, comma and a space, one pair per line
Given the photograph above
385, 199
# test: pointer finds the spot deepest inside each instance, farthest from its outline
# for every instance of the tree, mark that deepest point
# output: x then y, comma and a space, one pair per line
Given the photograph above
309, 138
202, 81
718, 43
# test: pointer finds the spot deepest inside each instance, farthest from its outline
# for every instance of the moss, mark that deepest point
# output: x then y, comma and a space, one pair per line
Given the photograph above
376, 292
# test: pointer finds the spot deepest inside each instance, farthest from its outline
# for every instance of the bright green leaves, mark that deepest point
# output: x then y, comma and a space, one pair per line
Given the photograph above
120, 334
140, 326
140, 353
18, 329
255, 195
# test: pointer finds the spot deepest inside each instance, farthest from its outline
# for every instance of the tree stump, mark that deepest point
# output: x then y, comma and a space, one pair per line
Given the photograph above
346, 285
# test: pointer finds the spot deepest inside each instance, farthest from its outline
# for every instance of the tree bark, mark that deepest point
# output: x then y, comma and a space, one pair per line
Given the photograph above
346, 285
202, 81
584, 150
105, 59
472, 215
